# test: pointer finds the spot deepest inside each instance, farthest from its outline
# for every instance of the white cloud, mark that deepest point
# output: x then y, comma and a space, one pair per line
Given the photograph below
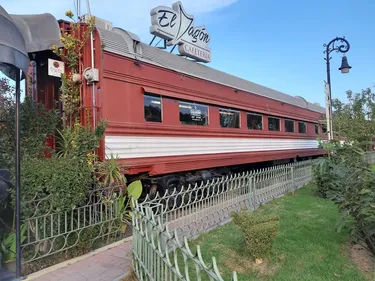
131, 15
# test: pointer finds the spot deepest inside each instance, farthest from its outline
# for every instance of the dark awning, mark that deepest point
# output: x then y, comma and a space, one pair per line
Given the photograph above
40, 32
12, 45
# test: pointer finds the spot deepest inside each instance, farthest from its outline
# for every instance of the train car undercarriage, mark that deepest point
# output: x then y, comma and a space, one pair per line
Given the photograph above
161, 183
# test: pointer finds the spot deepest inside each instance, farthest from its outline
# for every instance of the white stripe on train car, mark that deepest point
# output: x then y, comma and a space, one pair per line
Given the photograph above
127, 147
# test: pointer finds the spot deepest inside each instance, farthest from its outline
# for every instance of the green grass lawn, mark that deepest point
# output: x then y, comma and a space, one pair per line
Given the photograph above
307, 246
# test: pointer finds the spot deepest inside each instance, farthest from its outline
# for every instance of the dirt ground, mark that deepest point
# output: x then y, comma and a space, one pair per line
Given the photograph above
363, 258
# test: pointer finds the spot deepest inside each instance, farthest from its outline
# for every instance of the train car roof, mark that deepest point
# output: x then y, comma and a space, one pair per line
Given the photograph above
127, 44
40, 31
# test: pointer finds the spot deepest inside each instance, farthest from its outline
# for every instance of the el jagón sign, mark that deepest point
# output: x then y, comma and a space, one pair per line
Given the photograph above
177, 28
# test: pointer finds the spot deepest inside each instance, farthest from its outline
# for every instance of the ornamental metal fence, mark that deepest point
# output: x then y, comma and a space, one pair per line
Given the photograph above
161, 223
189, 211
47, 232
160, 255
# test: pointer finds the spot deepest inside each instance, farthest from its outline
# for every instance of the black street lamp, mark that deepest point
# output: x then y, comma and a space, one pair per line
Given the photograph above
340, 45
13, 59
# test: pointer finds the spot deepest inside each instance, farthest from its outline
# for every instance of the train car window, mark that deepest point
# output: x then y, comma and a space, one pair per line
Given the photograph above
273, 124
289, 126
152, 108
302, 127
316, 129
193, 114
324, 129
229, 118
254, 121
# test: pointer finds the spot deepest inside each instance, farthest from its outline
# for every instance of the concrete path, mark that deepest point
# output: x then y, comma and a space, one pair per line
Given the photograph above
103, 265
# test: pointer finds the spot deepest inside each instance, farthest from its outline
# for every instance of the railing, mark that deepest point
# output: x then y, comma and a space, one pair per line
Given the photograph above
275, 181
160, 255
198, 208
189, 211
50, 232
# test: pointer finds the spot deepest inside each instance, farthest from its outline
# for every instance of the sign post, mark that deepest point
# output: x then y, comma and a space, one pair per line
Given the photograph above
328, 111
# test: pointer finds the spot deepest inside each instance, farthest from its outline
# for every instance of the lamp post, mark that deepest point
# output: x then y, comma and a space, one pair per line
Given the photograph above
13, 59
340, 45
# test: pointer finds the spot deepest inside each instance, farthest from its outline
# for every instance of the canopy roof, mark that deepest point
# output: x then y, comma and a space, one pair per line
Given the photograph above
12, 44
40, 32
23, 34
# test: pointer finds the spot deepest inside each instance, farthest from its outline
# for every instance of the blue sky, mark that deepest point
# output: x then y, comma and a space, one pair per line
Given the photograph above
278, 44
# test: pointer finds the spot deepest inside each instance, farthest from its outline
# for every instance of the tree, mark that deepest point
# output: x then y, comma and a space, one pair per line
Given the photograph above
36, 125
6, 101
344, 176
348, 180
355, 119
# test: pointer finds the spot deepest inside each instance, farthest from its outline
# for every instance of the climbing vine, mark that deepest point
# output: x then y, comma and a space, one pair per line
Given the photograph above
73, 39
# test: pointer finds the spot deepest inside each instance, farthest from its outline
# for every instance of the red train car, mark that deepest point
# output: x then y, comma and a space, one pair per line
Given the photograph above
173, 120
169, 115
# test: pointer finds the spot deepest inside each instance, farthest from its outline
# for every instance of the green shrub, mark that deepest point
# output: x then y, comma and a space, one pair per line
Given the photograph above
67, 182
84, 244
258, 232
36, 125
347, 179
79, 141
328, 175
